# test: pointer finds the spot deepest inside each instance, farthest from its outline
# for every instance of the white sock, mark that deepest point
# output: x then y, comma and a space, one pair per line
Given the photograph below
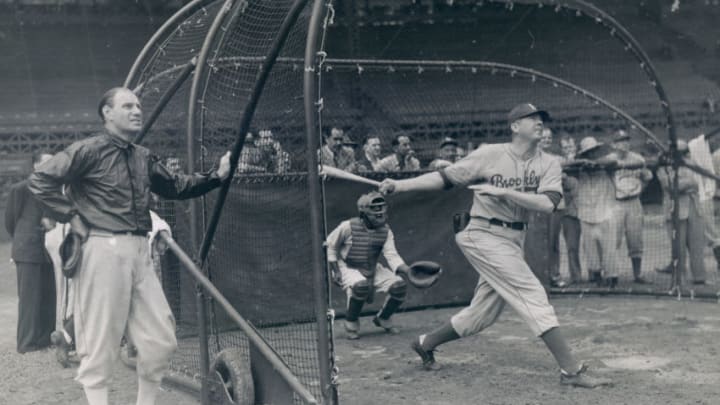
147, 391
422, 339
96, 396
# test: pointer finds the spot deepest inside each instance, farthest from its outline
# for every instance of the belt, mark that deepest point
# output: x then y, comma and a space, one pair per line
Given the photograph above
126, 233
628, 198
518, 226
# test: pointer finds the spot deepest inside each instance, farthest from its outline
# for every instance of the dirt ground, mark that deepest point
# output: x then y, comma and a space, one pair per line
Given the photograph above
36, 378
657, 351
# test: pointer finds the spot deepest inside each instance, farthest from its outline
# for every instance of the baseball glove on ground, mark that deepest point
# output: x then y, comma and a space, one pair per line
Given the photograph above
424, 274
70, 253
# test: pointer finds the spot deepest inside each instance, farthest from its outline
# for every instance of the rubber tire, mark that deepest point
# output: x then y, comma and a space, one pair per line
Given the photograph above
234, 378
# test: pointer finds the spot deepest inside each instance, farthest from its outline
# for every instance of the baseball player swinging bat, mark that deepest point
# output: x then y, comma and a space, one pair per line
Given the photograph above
342, 174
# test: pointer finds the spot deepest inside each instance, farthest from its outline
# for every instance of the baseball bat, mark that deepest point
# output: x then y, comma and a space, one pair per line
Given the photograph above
342, 174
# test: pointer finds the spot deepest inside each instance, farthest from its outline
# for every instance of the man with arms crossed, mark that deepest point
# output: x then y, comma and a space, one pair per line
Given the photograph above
518, 177
109, 180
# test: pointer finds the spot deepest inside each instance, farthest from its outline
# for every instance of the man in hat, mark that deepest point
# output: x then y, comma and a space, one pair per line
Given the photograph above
629, 183
353, 251
403, 157
447, 154
596, 206
691, 229
508, 180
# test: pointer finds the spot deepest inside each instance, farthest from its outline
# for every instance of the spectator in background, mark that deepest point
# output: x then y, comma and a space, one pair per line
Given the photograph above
569, 221
691, 229
26, 224
462, 152
629, 183
568, 147
596, 206
348, 156
446, 154
372, 150
554, 220
263, 154
250, 160
403, 158
701, 149
332, 153
273, 158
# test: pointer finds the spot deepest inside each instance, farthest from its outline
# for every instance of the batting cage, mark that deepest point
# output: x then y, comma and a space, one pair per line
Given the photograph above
271, 80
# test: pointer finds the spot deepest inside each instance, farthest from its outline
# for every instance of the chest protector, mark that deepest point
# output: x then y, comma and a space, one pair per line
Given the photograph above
367, 245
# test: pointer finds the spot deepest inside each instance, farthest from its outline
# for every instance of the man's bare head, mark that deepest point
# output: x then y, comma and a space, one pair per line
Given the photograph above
120, 110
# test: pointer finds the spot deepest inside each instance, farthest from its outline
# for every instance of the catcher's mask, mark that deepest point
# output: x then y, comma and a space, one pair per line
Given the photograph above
373, 209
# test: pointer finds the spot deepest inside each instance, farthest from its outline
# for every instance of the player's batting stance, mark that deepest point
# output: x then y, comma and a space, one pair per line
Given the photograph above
353, 251
109, 180
518, 178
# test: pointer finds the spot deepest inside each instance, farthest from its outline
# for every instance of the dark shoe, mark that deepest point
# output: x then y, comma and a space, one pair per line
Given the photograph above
640, 280
699, 282
385, 324
582, 379
665, 270
427, 356
62, 348
595, 277
612, 282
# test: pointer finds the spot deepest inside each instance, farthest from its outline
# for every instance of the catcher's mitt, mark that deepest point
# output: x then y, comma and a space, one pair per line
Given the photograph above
70, 253
424, 274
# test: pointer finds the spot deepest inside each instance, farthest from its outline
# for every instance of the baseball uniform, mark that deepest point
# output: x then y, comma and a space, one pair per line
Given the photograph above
493, 240
339, 243
628, 186
596, 205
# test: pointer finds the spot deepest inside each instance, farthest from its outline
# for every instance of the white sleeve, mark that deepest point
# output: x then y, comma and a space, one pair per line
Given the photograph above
390, 252
335, 241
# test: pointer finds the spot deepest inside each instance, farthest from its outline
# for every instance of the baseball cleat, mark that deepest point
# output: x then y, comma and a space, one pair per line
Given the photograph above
581, 379
427, 356
352, 328
62, 348
385, 324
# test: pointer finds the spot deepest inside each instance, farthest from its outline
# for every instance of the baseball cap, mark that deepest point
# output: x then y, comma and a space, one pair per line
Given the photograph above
621, 135
526, 110
448, 141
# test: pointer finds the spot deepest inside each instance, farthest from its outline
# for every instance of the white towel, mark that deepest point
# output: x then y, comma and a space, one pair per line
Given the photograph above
700, 154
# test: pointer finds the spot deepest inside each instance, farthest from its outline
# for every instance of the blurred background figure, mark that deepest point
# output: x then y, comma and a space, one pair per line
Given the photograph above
569, 221
447, 154
691, 229
403, 157
701, 149
629, 184
596, 207
26, 224
371, 153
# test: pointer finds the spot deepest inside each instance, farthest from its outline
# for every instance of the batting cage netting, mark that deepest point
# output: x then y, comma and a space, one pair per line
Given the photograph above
259, 259
451, 70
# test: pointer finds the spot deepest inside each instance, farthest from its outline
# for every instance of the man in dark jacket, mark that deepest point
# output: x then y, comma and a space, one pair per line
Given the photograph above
35, 278
109, 180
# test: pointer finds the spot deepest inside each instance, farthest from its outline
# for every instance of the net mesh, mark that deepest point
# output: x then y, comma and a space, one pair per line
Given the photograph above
384, 79
259, 259
255, 261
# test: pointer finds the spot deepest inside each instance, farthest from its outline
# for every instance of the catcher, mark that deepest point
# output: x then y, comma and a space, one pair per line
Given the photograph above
353, 251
